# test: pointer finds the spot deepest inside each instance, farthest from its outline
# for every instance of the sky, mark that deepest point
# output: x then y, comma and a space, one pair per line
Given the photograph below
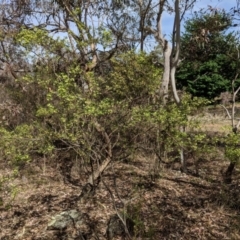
167, 20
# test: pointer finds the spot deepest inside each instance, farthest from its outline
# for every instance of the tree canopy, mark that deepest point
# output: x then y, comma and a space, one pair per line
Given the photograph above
210, 54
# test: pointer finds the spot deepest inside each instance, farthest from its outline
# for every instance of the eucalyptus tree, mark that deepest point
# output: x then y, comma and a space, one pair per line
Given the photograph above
171, 51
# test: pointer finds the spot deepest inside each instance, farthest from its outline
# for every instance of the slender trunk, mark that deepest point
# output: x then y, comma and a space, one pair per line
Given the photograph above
166, 73
142, 41
171, 60
228, 174
101, 167
175, 60
176, 51
167, 51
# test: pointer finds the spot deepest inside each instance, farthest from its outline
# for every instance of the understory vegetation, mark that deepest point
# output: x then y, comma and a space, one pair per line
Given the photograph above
98, 138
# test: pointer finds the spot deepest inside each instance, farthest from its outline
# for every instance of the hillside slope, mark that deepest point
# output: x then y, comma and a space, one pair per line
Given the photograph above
167, 205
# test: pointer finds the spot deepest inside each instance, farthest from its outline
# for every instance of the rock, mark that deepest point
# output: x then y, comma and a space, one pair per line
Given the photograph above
69, 225
64, 219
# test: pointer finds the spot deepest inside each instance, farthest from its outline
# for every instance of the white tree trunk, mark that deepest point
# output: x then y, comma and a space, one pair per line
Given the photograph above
176, 51
164, 91
171, 58
170, 62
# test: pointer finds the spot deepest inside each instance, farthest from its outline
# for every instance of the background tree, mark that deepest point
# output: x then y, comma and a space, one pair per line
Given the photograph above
208, 50
12, 58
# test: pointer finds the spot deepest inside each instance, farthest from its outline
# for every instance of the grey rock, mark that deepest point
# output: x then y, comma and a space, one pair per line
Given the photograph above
64, 219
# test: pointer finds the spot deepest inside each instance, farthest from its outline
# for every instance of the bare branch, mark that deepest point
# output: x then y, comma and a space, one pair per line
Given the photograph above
229, 115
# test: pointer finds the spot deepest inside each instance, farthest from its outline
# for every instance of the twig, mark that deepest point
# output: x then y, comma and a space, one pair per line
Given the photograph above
123, 220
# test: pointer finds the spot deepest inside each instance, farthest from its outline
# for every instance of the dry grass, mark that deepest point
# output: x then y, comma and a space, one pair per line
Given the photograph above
215, 119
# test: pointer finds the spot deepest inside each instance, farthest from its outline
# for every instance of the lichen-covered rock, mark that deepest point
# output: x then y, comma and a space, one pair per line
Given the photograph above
64, 219
70, 225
